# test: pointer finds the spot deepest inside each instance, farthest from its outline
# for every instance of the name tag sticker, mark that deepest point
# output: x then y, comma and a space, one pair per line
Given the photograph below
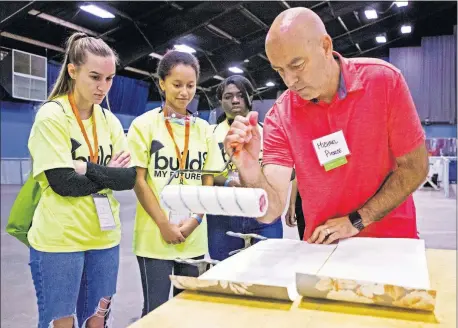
104, 212
331, 150
335, 163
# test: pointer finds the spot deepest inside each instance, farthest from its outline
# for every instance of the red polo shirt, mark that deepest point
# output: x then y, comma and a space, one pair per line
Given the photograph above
376, 113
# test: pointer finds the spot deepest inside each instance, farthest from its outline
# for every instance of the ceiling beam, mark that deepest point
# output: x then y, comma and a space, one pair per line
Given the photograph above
361, 33
285, 4
175, 5
347, 33
238, 53
223, 33
359, 53
318, 4
117, 12
64, 23
62, 50
32, 41
356, 14
263, 57
252, 17
175, 27
362, 36
416, 18
137, 19
11, 11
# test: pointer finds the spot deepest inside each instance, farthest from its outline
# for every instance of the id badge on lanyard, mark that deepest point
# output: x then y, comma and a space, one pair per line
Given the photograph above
102, 204
104, 212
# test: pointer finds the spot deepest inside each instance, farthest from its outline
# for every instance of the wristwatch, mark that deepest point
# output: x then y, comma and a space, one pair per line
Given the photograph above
356, 220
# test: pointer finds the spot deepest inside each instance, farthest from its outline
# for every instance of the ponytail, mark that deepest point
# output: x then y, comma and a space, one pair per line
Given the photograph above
77, 46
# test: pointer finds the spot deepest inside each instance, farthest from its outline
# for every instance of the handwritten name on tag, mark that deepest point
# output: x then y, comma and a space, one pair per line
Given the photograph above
104, 212
331, 147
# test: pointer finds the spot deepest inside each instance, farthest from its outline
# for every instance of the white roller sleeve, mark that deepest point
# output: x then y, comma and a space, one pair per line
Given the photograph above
249, 202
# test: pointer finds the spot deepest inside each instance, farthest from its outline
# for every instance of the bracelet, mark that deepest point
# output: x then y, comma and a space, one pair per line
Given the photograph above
226, 183
198, 218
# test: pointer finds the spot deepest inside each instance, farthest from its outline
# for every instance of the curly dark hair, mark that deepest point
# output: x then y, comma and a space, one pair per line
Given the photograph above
245, 87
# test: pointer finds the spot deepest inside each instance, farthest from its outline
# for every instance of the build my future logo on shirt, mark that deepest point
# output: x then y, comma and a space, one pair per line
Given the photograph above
165, 162
105, 153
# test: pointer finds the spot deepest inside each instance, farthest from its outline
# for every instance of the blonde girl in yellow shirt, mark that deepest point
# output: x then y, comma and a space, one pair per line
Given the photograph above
79, 154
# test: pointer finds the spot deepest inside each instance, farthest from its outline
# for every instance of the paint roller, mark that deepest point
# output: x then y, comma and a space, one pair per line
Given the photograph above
228, 201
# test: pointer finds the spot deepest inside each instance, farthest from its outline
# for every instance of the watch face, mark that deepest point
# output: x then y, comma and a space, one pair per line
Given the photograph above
358, 225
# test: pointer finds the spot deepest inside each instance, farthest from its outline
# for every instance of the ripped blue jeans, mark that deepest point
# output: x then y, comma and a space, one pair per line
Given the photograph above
73, 284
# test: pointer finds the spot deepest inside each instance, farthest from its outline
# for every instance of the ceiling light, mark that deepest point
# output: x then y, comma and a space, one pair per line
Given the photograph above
371, 14
401, 3
184, 48
270, 84
246, 61
235, 70
156, 55
218, 77
97, 11
380, 39
405, 29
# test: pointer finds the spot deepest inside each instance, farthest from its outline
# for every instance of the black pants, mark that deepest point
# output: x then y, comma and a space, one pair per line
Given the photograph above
300, 217
156, 282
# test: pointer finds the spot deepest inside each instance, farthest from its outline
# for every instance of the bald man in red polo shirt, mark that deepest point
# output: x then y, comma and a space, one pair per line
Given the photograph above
350, 129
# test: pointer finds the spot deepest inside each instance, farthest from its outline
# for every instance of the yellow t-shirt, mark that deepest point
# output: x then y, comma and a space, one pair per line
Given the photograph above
70, 224
220, 131
152, 148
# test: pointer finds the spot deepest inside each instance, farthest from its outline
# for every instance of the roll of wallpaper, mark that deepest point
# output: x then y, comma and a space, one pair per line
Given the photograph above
249, 202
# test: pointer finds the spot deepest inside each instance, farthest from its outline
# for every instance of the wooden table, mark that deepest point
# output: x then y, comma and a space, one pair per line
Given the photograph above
194, 309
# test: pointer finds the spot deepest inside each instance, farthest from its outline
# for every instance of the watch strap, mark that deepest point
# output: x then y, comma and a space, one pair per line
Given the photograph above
356, 220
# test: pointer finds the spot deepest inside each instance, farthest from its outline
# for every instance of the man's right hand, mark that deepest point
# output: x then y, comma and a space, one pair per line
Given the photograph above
244, 136
171, 233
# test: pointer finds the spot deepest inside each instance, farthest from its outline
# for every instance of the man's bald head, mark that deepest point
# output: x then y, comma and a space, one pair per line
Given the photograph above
294, 23
300, 50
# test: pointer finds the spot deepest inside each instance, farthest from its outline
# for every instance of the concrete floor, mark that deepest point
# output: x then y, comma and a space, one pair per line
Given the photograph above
436, 222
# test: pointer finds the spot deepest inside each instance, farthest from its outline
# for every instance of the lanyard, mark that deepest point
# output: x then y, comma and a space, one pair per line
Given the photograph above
181, 158
93, 156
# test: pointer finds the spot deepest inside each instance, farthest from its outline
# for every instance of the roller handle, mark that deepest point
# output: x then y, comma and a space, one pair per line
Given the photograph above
178, 172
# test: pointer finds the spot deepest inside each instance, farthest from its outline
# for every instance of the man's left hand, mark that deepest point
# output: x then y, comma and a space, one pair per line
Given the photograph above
333, 229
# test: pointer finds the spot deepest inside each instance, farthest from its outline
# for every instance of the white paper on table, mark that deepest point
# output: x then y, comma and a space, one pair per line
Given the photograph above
394, 261
272, 262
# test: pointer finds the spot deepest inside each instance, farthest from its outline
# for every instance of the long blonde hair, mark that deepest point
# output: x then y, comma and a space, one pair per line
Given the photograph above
77, 46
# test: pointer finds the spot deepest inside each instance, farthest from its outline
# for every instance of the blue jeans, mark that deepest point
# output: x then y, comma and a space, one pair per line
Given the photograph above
220, 244
69, 284
156, 282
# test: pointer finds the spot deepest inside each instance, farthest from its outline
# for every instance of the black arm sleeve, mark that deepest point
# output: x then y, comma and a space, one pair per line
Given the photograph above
66, 182
114, 178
